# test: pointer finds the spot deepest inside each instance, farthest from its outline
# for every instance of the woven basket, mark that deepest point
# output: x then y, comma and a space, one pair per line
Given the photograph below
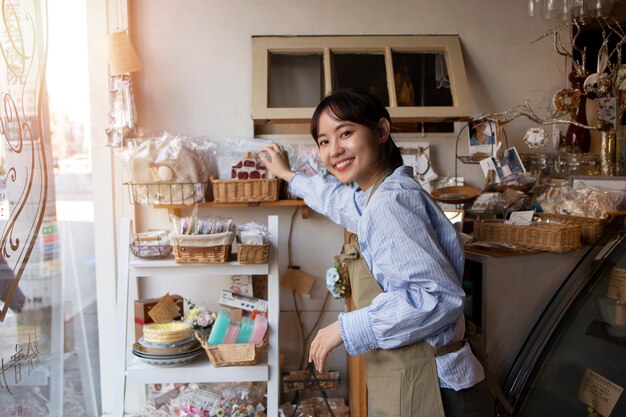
550, 237
253, 254
241, 191
232, 354
590, 229
209, 249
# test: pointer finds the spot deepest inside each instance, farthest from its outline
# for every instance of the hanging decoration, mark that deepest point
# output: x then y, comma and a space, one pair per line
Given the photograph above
123, 60
567, 104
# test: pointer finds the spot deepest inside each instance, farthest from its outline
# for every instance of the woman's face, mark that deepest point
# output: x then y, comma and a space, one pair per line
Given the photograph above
350, 151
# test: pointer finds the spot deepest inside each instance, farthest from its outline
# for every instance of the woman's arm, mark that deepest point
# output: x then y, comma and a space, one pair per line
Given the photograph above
323, 193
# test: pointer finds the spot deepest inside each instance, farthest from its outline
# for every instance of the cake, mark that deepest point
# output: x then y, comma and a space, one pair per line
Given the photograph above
171, 332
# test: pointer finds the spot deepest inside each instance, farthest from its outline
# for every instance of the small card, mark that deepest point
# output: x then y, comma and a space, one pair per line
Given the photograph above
165, 310
298, 281
521, 218
241, 284
617, 284
598, 392
228, 298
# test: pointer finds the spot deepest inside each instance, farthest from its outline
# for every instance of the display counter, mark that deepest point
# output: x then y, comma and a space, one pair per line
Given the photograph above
506, 295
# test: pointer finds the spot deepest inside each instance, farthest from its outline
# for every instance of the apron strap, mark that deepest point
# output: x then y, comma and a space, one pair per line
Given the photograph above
449, 348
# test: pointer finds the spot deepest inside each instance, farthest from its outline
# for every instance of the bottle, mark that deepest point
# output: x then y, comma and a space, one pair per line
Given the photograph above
578, 137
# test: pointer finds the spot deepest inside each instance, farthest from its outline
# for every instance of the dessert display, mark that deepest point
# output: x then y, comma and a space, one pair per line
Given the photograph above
171, 332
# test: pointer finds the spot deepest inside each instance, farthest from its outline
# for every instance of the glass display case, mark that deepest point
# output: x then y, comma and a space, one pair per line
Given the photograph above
573, 361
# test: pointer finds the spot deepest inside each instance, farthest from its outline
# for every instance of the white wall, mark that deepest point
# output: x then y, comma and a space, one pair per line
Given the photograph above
196, 80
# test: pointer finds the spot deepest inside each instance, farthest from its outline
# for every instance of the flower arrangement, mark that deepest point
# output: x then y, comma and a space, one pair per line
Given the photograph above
199, 317
337, 281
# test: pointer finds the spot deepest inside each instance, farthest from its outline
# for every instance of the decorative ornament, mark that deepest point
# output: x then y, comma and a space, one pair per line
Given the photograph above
536, 137
597, 85
566, 100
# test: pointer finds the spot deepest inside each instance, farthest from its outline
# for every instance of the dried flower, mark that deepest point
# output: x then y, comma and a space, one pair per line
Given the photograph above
199, 317
335, 283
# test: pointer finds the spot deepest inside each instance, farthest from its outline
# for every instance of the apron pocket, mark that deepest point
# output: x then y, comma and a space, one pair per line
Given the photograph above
383, 393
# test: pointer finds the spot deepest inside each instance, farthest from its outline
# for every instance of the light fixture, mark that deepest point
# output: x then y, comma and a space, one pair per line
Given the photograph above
123, 60
567, 10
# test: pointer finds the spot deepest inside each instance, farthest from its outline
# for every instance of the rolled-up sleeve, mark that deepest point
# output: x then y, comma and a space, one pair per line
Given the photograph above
329, 197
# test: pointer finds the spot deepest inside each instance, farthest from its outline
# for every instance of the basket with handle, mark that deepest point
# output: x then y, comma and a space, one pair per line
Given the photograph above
213, 248
231, 354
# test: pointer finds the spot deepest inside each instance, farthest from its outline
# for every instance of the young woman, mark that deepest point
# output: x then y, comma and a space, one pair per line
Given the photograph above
405, 271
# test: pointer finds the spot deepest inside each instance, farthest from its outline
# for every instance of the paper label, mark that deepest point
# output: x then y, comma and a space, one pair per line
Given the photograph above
617, 284
598, 392
521, 218
165, 310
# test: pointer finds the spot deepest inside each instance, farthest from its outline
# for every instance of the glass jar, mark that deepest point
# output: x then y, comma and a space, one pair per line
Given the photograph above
579, 164
546, 163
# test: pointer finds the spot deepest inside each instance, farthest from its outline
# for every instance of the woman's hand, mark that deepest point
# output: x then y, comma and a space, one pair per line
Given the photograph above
326, 340
278, 161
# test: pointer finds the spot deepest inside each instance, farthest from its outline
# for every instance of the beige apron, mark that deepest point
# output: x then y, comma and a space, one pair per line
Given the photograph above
401, 382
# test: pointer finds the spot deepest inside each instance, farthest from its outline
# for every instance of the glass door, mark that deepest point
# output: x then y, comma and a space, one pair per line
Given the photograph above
48, 329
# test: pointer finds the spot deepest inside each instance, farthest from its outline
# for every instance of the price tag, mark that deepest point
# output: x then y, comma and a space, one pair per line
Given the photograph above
598, 392
617, 284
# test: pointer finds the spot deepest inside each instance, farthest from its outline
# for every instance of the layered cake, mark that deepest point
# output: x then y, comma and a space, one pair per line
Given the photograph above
170, 332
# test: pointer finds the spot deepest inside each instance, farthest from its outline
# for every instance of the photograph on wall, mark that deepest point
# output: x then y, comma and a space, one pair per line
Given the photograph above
482, 137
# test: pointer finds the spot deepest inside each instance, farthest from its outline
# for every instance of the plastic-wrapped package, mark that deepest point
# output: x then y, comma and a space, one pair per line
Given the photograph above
232, 150
582, 201
170, 169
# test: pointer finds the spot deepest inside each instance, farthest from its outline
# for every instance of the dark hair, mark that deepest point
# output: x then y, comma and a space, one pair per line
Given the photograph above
360, 107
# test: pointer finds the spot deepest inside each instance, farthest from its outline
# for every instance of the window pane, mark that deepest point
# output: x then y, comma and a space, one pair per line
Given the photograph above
295, 80
421, 79
364, 71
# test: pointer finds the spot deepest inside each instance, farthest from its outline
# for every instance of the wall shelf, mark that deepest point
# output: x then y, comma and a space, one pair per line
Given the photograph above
176, 209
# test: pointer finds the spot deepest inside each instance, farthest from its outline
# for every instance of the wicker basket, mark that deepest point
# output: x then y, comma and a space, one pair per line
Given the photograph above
209, 249
233, 354
590, 228
242, 191
253, 254
550, 237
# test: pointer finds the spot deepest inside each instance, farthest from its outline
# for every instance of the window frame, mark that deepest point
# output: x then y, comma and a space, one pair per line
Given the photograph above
450, 45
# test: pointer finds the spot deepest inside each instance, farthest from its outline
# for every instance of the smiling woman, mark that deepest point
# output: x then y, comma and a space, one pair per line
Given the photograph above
409, 301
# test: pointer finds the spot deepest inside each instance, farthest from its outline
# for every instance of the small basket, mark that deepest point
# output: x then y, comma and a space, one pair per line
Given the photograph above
590, 228
550, 237
187, 193
232, 354
242, 191
209, 249
253, 254
146, 251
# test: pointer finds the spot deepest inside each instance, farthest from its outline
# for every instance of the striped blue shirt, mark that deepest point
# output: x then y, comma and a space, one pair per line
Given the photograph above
417, 258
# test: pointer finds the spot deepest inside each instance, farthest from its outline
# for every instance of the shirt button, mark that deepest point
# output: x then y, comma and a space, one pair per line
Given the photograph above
371, 346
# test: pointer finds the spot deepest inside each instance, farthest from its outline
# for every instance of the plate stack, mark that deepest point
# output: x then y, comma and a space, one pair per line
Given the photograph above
167, 344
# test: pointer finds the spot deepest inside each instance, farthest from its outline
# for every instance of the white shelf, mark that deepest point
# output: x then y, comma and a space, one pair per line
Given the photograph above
199, 370
131, 370
165, 266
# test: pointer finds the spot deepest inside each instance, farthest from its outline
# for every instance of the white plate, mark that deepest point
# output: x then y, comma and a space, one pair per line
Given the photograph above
169, 362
